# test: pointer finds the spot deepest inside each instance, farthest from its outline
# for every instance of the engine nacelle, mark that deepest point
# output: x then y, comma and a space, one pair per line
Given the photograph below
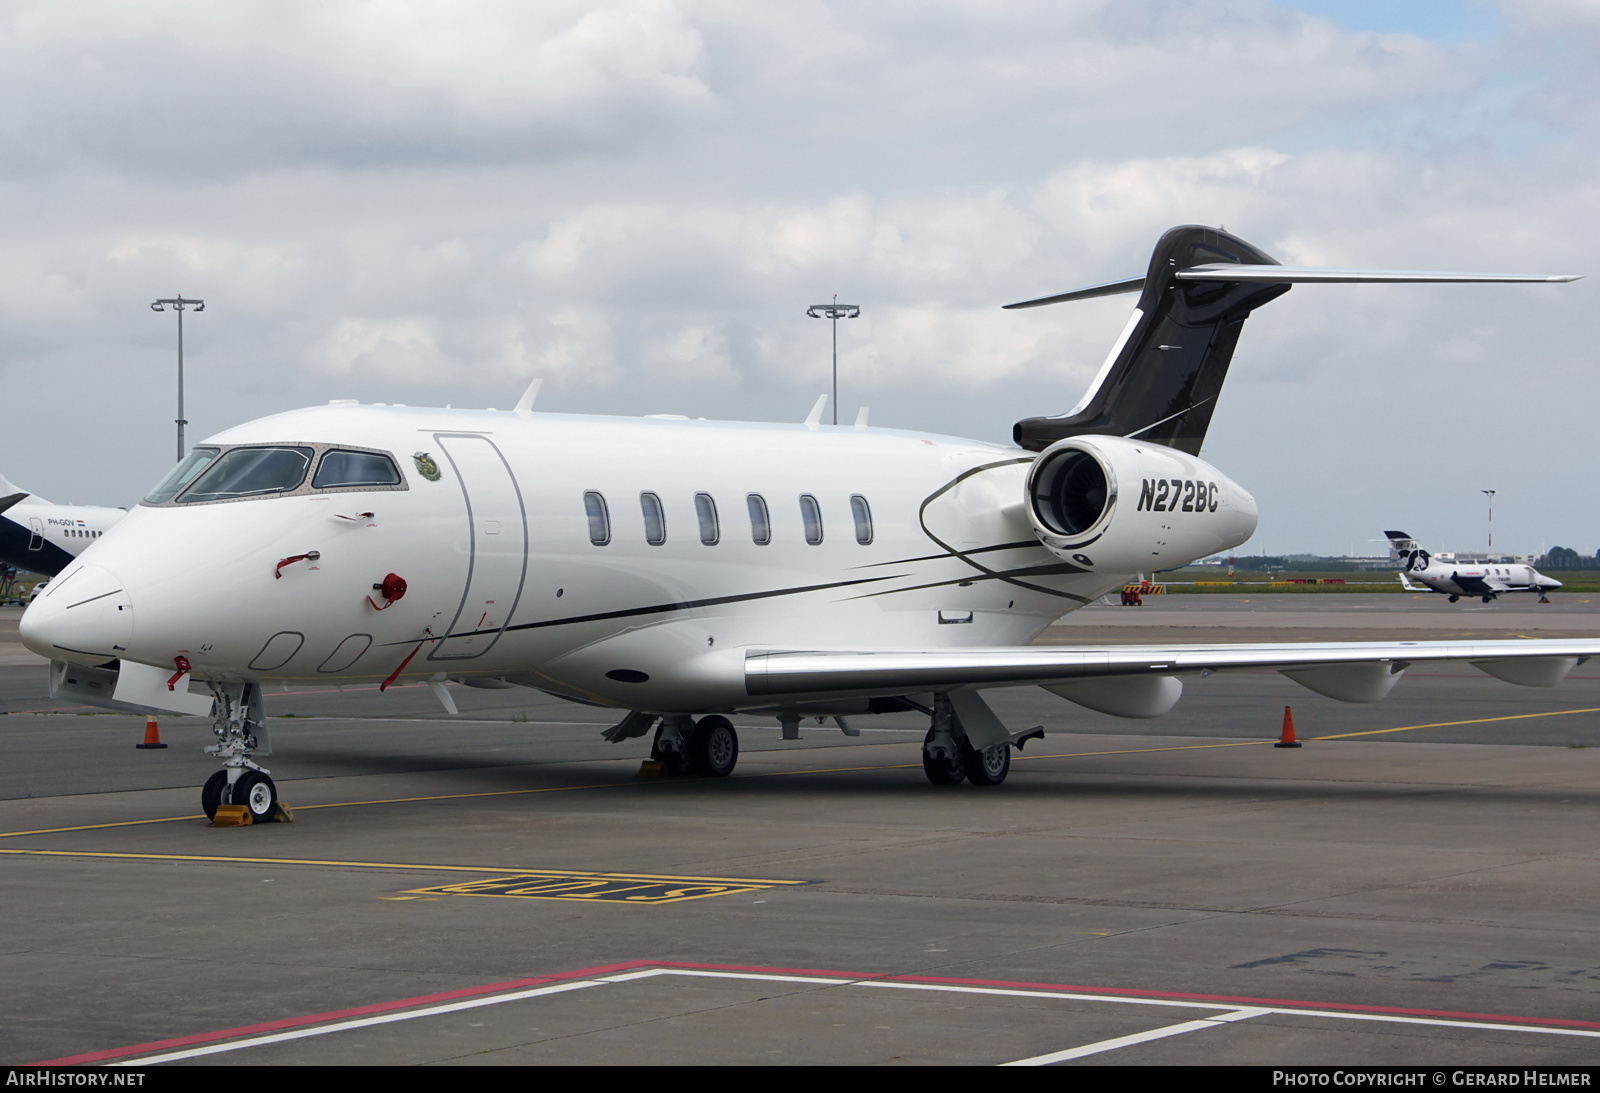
1113, 505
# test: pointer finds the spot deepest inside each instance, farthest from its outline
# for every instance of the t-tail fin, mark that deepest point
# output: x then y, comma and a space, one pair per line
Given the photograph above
1163, 376
9, 494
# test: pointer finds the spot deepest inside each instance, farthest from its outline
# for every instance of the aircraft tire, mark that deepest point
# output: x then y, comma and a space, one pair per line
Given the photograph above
988, 767
257, 793
1486, 599
941, 772
1453, 599
713, 747
211, 793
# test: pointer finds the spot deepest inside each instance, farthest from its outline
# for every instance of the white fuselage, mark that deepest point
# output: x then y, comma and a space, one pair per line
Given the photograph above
502, 573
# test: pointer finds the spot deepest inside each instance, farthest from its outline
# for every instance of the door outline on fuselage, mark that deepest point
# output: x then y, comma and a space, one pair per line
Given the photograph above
455, 646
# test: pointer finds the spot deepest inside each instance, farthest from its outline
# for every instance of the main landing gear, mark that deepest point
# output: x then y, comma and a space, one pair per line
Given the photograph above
949, 758
240, 729
708, 747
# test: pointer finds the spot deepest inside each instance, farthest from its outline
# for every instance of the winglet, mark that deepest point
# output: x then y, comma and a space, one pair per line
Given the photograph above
524, 407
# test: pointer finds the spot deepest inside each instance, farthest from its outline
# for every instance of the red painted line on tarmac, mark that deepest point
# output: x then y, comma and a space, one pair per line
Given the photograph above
760, 969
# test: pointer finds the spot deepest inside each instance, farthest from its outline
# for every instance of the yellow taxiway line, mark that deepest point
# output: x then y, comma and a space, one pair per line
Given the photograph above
517, 870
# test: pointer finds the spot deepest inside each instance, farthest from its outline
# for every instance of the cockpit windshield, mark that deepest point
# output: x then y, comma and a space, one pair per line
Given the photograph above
181, 475
247, 472
342, 469
211, 474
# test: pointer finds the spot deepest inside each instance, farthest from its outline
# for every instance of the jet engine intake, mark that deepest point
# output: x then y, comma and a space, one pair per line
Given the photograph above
1116, 505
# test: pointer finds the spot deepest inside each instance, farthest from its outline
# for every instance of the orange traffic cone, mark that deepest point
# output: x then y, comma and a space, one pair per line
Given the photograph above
152, 735
1287, 740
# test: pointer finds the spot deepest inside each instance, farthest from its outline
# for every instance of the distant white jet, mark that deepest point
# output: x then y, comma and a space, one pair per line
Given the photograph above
1453, 579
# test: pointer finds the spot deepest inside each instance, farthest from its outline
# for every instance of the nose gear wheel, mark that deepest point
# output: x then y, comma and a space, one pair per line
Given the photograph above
240, 729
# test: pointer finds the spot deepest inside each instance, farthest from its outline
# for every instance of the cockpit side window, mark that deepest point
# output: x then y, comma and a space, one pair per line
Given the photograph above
343, 469
181, 475
249, 472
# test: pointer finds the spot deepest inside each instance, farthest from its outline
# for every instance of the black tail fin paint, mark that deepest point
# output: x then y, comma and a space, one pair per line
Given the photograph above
1163, 384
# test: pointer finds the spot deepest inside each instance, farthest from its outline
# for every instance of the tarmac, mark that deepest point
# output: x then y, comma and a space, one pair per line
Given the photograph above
1415, 885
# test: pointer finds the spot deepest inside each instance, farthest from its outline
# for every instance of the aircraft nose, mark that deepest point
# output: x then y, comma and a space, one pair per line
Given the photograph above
84, 615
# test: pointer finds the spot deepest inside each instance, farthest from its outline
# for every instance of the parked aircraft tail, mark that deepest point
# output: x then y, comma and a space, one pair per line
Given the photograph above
1161, 380
9, 494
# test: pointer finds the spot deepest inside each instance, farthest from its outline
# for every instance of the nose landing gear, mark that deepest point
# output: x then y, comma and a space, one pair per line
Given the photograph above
241, 731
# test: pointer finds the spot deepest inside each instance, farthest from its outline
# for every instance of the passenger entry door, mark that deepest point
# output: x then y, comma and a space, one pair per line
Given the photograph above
497, 531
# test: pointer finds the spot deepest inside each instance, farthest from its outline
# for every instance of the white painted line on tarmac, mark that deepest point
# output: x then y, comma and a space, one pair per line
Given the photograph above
1342, 1015
1070, 996
1139, 1038
1493, 1026
342, 1026
768, 977
1229, 1012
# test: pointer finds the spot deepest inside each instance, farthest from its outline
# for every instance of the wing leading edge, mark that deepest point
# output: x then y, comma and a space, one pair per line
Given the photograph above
1350, 671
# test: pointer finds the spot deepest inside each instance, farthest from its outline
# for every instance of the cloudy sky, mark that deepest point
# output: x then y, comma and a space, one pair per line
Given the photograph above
432, 203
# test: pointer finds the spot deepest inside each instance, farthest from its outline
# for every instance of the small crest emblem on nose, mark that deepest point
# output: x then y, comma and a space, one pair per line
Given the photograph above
426, 466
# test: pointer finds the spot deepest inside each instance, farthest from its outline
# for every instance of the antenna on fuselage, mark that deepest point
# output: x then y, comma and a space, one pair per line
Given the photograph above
524, 407
814, 418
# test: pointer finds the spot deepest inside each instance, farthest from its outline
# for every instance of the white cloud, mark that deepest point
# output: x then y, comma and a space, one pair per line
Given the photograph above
692, 354
416, 202
403, 349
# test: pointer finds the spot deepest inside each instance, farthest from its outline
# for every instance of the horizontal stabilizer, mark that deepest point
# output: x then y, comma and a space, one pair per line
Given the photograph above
1161, 380
1110, 288
1298, 275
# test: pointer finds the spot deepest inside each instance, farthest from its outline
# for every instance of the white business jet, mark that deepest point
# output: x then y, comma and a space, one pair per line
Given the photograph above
44, 538
680, 570
1457, 579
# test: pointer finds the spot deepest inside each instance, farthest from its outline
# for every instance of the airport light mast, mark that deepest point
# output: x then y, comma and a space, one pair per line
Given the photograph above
834, 311
178, 304
1490, 494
